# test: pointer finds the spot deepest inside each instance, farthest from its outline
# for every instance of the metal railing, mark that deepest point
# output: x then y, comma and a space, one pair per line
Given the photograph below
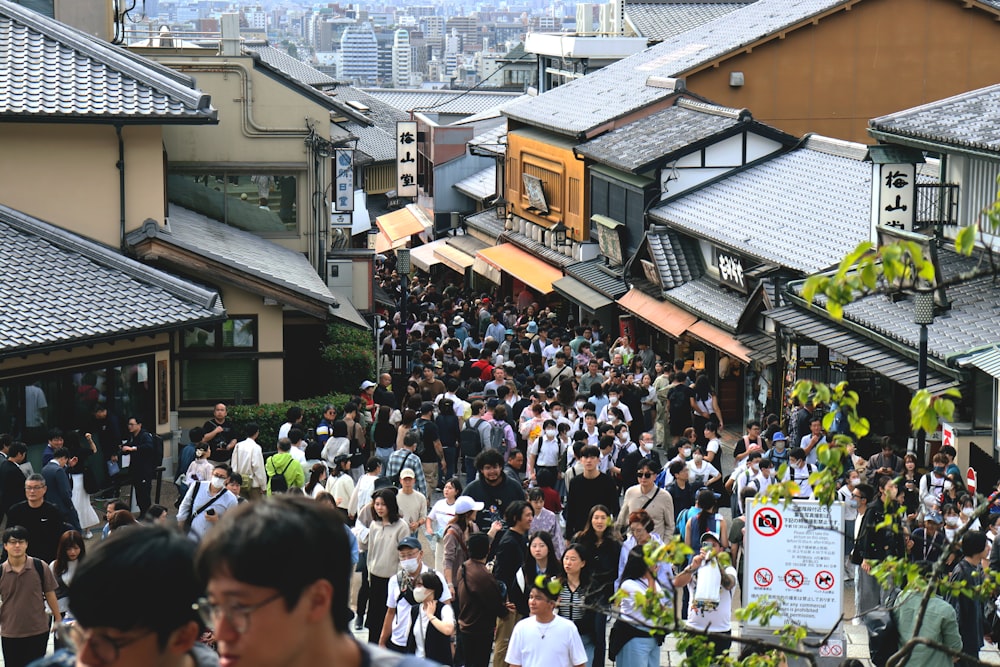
937, 204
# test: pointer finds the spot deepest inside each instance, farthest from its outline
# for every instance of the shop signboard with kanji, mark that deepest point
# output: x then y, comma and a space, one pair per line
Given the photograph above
406, 158
795, 556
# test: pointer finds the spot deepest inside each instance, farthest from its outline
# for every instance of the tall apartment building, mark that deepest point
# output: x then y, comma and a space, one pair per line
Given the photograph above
402, 59
433, 26
359, 55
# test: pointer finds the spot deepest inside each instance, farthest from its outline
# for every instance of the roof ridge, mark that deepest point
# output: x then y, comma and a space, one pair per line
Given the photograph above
837, 147
898, 115
108, 54
108, 257
714, 109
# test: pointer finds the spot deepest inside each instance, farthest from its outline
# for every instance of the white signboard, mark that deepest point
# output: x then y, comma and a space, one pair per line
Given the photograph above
947, 435
343, 186
897, 195
341, 219
406, 158
795, 555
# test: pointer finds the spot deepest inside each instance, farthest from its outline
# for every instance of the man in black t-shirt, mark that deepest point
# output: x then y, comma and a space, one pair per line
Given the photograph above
430, 458
220, 435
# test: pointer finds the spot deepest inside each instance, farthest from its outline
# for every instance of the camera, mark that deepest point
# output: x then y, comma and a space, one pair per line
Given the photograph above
765, 521
210, 512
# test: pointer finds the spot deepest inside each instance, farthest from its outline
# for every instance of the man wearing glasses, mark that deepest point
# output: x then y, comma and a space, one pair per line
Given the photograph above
133, 602
24, 583
205, 503
42, 520
278, 616
645, 495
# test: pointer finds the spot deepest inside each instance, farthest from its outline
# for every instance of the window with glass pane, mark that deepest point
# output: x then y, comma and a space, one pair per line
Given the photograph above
236, 333
262, 203
211, 380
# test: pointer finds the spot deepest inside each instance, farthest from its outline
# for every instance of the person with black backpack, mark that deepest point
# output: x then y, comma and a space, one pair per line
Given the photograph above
406, 457
429, 447
24, 624
473, 438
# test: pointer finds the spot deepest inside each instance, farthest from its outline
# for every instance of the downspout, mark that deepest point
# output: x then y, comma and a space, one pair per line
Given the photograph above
121, 186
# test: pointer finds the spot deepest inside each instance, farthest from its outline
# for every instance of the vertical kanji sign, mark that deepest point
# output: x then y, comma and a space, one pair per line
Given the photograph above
897, 195
343, 185
406, 158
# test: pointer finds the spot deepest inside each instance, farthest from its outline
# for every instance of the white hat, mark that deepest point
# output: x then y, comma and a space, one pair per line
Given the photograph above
406, 472
367, 384
457, 321
465, 504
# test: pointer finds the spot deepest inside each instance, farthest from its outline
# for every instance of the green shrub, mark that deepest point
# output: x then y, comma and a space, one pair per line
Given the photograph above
270, 416
349, 357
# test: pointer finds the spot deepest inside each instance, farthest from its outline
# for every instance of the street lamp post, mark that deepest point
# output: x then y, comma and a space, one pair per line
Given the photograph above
403, 269
923, 304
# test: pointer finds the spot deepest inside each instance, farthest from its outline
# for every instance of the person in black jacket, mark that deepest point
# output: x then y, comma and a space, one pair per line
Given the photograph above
12, 478
510, 552
970, 608
591, 488
492, 488
873, 544
140, 446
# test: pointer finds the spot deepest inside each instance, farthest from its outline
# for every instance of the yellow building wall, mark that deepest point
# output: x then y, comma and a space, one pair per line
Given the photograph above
880, 57
67, 175
270, 338
565, 184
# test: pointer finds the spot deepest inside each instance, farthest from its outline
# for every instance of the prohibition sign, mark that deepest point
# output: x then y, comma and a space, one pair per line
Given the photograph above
794, 579
824, 580
831, 650
763, 577
767, 521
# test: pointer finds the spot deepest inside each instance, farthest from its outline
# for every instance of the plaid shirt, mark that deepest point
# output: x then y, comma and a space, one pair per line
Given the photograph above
404, 458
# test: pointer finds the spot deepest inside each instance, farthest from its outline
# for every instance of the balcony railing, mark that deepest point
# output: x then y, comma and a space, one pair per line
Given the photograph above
937, 204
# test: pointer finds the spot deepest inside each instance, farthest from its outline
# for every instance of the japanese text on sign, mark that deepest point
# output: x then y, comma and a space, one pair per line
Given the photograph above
343, 185
406, 158
897, 195
803, 545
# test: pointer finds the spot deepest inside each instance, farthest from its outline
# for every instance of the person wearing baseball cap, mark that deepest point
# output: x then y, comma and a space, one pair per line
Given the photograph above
709, 610
412, 503
928, 542
778, 453
401, 598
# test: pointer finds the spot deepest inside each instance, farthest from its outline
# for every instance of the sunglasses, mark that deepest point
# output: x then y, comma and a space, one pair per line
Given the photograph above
646, 475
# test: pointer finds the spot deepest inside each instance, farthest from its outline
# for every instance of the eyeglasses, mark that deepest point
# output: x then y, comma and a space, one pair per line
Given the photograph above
645, 475
104, 648
237, 615
18, 542
39, 487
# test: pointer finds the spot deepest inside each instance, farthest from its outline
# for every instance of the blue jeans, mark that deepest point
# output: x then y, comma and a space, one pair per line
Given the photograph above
451, 462
600, 639
639, 652
588, 647
383, 454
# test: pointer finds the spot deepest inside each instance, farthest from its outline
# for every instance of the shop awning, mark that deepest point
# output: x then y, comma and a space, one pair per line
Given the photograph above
453, 258
761, 347
401, 224
663, 315
532, 271
719, 339
423, 256
383, 244
859, 349
486, 270
581, 294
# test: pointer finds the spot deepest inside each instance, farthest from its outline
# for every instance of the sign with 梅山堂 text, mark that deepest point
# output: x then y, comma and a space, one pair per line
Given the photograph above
406, 158
795, 556
897, 195
343, 184
731, 270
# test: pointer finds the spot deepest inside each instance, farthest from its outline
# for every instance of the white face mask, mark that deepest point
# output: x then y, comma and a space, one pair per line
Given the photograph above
556, 414
420, 594
580, 405
686, 452
755, 467
966, 511
550, 433
952, 521
613, 399
411, 565
218, 482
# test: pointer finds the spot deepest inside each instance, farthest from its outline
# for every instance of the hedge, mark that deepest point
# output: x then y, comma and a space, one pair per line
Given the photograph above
349, 357
270, 416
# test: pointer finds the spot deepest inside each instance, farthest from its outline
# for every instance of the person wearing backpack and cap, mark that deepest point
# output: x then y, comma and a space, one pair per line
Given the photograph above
396, 627
778, 453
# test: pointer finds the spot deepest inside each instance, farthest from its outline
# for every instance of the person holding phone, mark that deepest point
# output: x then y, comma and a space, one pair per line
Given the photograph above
205, 503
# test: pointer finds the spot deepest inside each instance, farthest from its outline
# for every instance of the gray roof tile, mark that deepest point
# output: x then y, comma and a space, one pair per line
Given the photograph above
597, 276
442, 101
50, 69
292, 67
620, 88
969, 120
381, 114
486, 222
662, 20
707, 299
240, 250
676, 256
538, 249
803, 210
480, 186
96, 293
373, 141
635, 146
492, 141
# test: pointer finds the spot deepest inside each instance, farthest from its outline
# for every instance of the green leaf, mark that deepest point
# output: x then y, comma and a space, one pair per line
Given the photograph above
965, 240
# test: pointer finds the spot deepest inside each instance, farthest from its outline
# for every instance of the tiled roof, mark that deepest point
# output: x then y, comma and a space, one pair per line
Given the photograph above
803, 210
635, 146
620, 88
676, 256
492, 141
662, 20
239, 250
538, 249
292, 67
381, 114
969, 120
96, 293
441, 101
596, 276
488, 114
486, 222
48, 69
373, 141
707, 299
481, 185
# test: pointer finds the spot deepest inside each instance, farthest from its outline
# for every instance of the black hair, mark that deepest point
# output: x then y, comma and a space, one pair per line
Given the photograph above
155, 512
121, 565
57, 432
250, 429
15, 533
266, 531
552, 565
479, 545
590, 450
340, 429
16, 449
635, 566
372, 464
293, 414
487, 457
60, 453
196, 435
797, 453
676, 467
432, 582
866, 490
388, 496
973, 543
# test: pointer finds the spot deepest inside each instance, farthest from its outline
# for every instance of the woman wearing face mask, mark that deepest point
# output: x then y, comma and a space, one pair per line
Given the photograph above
952, 522
968, 509
432, 622
911, 488
703, 473
846, 495
544, 452
385, 533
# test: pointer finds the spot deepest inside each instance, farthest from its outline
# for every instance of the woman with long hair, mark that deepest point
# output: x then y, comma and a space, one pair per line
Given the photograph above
639, 648
409, 416
384, 434
317, 478
439, 517
72, 548
706, 520
455, 543
542, 559
385, 533
340, 484
598, 538
704, 405
336, 444
432, 622
574, 596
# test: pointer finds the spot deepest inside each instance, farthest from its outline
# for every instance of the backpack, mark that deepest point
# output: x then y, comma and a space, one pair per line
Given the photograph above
38, 569
678, 398
278, 482
469, 441
883, 634
497, 439
419, 427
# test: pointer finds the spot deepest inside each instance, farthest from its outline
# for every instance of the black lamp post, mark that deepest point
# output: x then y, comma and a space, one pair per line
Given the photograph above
923, 304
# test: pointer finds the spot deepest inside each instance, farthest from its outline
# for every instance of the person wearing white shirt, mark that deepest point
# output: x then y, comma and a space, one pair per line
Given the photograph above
798, 471
545, 450
811, 441
709, 615
201, 468
614, 401
396, 627
365, 486
703, 473
640, 649
545, 639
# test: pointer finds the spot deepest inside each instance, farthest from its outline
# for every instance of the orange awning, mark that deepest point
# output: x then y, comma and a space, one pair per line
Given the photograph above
527, 268
719, 339
384, 245
401, 224
663, 315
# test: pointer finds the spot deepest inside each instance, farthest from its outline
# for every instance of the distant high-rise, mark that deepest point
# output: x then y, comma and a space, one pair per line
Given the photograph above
359, 55
402, 59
